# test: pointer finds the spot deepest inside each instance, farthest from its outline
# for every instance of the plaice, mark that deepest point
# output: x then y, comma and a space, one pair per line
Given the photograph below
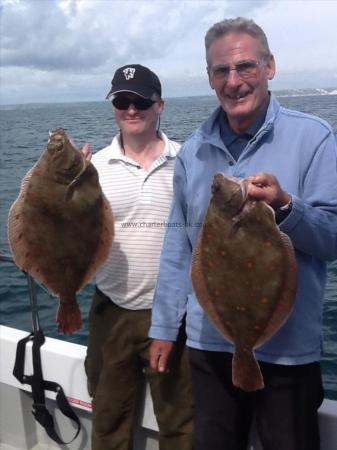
244, 274
60, 227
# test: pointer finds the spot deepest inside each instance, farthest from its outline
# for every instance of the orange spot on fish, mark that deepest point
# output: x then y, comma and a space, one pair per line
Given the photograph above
264, 300
33, 196
267, 243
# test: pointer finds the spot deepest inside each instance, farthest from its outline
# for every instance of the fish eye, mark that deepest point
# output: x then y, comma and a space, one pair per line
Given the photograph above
58, 146
55, 143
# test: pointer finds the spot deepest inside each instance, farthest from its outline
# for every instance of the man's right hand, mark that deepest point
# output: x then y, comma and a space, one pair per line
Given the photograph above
160, 352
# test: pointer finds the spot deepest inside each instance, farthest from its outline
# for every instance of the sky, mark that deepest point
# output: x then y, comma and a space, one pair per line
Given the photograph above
68, 50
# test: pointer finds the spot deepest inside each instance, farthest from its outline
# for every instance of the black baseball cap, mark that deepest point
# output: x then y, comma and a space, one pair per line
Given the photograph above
136, 79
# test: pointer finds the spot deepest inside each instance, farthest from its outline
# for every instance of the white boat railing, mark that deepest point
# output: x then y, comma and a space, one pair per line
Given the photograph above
63, 362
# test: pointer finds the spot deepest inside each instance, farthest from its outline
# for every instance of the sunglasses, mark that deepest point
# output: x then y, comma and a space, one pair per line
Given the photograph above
140, 103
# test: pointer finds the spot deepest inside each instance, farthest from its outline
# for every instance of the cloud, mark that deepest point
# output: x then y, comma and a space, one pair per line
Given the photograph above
55, 50
86, 35
77, 35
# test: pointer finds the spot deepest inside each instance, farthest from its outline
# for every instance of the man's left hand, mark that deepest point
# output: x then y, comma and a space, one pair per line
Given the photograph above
264, 186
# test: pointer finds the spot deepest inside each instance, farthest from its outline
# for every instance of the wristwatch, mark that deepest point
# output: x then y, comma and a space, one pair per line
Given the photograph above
282, 212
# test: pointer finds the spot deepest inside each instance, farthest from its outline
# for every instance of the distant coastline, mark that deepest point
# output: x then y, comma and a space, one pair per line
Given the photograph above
305, 92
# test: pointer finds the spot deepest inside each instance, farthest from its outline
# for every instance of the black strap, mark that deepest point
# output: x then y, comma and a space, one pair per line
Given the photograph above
36, 381
39, 385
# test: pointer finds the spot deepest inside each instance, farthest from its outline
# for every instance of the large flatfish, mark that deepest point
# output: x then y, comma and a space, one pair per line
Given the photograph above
244, 274
60, 227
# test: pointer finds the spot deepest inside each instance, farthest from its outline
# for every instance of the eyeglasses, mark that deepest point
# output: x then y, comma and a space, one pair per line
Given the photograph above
140, 103
244, 69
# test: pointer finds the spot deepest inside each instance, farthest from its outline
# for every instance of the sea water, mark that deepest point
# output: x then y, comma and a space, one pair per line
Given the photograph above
24, 135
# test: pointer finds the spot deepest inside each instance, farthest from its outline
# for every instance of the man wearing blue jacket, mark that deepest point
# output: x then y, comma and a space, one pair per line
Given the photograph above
291, 158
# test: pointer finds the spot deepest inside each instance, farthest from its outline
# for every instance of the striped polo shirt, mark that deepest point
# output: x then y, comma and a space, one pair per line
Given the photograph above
140, 201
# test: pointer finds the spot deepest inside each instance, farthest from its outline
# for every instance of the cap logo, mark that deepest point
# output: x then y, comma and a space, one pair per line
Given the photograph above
129, 72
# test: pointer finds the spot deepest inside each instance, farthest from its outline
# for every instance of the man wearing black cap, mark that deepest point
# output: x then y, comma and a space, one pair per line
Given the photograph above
135, 173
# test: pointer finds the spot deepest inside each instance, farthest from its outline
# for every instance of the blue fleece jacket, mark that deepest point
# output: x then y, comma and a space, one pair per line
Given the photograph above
300, 150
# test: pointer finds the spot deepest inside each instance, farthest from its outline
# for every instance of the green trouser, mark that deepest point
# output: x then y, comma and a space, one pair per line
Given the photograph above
116, 367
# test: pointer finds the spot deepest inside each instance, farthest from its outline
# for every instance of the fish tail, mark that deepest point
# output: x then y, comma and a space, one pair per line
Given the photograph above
68, 315
246, 373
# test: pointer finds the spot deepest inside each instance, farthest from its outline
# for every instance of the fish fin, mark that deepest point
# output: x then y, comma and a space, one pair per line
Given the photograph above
202, 293
68, 316
287, 296
291, 281
16, 230
104, 247
246, 372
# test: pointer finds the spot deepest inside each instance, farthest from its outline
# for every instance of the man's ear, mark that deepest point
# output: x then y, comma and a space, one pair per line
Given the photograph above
210, 80
271, 67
